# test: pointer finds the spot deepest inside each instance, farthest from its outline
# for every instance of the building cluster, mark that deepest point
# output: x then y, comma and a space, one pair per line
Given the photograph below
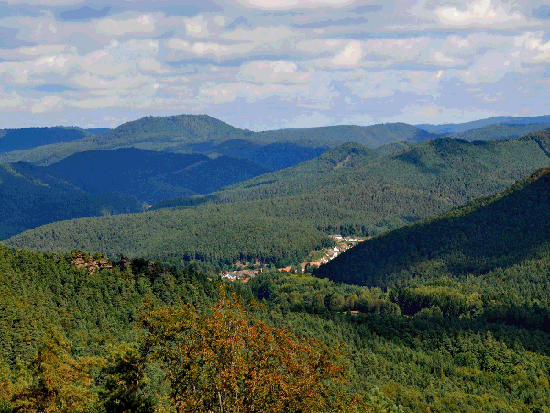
241, 275
92, 265
342, 245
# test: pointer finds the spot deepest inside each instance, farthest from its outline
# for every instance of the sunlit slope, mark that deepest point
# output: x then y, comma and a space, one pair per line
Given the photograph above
499, 238
442, 172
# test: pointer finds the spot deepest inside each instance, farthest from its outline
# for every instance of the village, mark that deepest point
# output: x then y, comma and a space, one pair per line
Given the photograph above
317, 258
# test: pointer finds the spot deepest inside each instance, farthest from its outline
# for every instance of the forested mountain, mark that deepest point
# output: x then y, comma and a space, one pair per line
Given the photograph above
452, 314
151, 176
370, 136
278, 217
69, 336
476, 124
438, 174
27, 138
502, 240
206, 135
30, 198
500, 131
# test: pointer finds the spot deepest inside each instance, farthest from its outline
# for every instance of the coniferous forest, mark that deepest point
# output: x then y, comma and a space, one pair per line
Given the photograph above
444, 308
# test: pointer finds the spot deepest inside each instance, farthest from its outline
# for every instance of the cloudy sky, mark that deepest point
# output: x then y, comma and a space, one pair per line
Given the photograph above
268, 64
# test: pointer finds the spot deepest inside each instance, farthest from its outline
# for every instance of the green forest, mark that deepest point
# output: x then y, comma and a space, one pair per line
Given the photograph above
281, 216
444, 308
108, 339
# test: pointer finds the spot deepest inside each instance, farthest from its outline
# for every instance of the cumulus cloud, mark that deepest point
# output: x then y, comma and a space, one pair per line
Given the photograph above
272, 72
535, 49
196, 27
52, 103
112, 27
291, 4
479, 12
490, 68
262, 34
320, 56
350, 56
181, 49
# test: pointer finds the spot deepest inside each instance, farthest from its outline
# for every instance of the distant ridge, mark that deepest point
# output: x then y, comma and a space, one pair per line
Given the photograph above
213, 137
28, 138
505, 120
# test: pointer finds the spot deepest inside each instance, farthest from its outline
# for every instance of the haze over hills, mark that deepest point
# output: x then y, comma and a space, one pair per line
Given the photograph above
212, 137
151, 176
28, 138
448, 172
274, 149
462, 127
96, 183
348, 190
29, 198
499, 131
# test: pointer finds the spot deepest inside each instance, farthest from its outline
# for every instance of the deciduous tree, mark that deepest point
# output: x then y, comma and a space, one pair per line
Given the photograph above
225, 361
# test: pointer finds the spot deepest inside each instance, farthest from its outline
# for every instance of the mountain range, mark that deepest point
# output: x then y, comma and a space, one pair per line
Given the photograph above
351, 190
445, 308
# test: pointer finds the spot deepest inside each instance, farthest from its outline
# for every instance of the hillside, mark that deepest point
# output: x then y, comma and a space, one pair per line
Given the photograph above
438, 175
30, 198
279, 217
151, 176
74, 313
28, 138
503, 237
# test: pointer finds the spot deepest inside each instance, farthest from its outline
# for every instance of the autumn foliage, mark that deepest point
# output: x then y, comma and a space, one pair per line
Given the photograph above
225, 361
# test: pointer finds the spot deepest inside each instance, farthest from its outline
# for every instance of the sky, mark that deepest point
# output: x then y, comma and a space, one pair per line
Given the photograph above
270, 64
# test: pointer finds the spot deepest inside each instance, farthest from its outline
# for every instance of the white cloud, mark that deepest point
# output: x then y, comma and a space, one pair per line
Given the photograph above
490, 68
31, 53
350, 56
97, 103
381, 84
196, 27
101, 86
479, 12
314, 95
48, 104
272, 72
217, 94
290, 4
11, 100
111, 27
151, 65
533, 48
182, 48
262, 34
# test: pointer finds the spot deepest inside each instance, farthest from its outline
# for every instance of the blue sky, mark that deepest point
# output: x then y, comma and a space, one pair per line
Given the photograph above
268, 64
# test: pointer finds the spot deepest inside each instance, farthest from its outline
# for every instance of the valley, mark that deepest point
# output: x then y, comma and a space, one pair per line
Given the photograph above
414, 264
